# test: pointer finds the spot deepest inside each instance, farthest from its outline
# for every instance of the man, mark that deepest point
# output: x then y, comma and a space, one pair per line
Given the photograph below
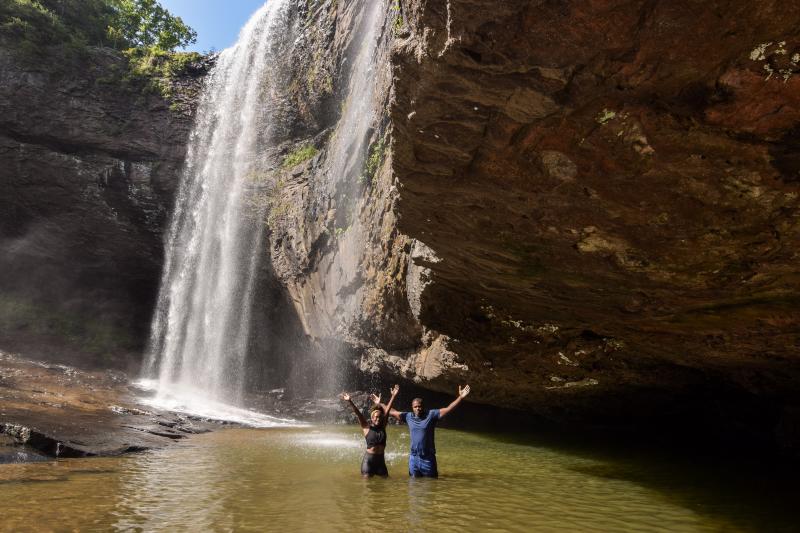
421, 424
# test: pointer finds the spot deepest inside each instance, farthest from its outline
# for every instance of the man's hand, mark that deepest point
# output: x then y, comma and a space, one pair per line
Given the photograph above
395, 390
376, 398
463, 392
344, 396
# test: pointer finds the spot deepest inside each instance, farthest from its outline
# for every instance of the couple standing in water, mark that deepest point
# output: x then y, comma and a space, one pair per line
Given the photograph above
421, 424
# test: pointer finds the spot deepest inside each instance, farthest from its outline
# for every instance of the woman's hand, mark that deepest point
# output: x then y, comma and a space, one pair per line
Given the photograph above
344, 396
376, 398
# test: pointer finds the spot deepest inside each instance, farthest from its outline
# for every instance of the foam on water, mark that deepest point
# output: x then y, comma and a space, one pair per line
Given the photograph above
192, 402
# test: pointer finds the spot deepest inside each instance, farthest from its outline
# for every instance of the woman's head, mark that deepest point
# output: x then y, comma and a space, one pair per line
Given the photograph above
376, 415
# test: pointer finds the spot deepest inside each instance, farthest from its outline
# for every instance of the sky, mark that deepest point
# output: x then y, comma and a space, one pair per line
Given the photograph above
217, 22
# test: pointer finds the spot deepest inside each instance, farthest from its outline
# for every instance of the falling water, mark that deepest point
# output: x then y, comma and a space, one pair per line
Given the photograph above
199, 342
337, 302
199, 339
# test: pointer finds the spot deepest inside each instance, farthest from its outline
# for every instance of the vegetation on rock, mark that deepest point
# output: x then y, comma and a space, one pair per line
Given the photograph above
376, 151
35, 24
121, 24
158, 67
298, 156
145, 32
397, 25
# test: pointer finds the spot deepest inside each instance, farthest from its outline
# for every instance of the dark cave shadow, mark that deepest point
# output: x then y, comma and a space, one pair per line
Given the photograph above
755, 493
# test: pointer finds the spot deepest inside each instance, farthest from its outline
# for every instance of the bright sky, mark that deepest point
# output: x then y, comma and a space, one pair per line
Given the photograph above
217, 22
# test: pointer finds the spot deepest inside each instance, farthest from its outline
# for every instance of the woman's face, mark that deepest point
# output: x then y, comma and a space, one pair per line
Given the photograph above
376, 417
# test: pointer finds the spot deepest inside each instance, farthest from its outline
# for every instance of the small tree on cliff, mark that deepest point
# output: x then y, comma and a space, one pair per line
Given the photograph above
146, 24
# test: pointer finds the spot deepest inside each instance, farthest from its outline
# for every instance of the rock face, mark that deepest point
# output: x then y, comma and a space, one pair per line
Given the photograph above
89, 161
587, 211
611, 193
333, 240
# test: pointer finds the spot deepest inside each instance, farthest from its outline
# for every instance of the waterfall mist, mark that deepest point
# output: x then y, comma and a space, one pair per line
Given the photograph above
341, 189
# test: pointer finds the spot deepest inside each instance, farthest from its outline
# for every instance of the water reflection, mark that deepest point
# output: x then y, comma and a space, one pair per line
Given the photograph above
160, 495
307, 479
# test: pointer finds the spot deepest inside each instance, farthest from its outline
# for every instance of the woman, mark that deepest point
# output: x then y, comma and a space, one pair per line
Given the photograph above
373, 463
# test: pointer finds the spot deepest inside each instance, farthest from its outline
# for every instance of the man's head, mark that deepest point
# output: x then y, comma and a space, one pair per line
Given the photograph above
416, 406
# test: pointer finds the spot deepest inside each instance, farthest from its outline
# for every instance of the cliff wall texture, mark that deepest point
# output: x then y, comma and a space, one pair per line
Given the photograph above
586, 210
89, 161
610, 193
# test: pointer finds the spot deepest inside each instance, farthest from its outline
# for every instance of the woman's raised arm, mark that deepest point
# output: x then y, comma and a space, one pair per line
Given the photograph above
361, 420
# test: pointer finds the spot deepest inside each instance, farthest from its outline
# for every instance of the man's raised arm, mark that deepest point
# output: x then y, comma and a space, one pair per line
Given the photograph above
462, 393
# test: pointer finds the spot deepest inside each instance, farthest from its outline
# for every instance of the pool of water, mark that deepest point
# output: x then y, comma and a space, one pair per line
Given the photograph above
307, 479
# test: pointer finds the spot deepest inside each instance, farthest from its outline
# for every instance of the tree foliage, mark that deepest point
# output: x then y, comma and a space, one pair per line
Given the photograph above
120, 24
145, 23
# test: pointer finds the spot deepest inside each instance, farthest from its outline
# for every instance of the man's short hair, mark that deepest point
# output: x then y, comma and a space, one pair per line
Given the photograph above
415, 400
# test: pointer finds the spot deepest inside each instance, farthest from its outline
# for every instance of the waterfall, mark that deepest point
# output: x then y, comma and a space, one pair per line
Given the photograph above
198, 350
348, 150
199, 336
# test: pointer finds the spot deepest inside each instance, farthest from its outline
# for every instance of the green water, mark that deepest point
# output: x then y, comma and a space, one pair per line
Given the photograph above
307, 479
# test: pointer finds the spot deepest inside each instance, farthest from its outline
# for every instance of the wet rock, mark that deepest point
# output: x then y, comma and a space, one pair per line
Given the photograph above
95, 414
11, 451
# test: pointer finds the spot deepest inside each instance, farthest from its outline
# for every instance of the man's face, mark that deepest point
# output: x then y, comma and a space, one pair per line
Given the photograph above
416, 407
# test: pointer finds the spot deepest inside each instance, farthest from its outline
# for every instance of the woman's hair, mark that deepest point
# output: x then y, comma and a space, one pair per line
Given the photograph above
376, 407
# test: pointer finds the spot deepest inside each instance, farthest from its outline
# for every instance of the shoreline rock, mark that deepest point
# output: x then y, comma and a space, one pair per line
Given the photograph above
51, 410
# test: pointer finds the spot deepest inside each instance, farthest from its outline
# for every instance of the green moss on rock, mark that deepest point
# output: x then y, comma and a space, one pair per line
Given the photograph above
300, 155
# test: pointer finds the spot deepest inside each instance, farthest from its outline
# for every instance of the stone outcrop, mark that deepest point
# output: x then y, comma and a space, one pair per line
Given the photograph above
55, 410
611, 192
89, 163
587, 211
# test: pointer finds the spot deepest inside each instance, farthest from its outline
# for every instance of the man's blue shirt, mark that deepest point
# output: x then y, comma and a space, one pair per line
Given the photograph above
421, 432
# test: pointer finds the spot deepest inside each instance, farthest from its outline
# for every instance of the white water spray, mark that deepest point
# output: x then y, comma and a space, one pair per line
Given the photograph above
200, 330
337, 301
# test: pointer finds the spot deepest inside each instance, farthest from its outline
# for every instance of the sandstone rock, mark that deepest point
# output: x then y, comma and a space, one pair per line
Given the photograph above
614, 184
621, 171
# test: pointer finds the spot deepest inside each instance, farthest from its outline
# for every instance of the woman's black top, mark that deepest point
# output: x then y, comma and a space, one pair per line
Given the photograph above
376, 436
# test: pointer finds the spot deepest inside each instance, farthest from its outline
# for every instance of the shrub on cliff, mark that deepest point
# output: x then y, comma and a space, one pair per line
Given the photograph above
304, 153
38, 23
60, 31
